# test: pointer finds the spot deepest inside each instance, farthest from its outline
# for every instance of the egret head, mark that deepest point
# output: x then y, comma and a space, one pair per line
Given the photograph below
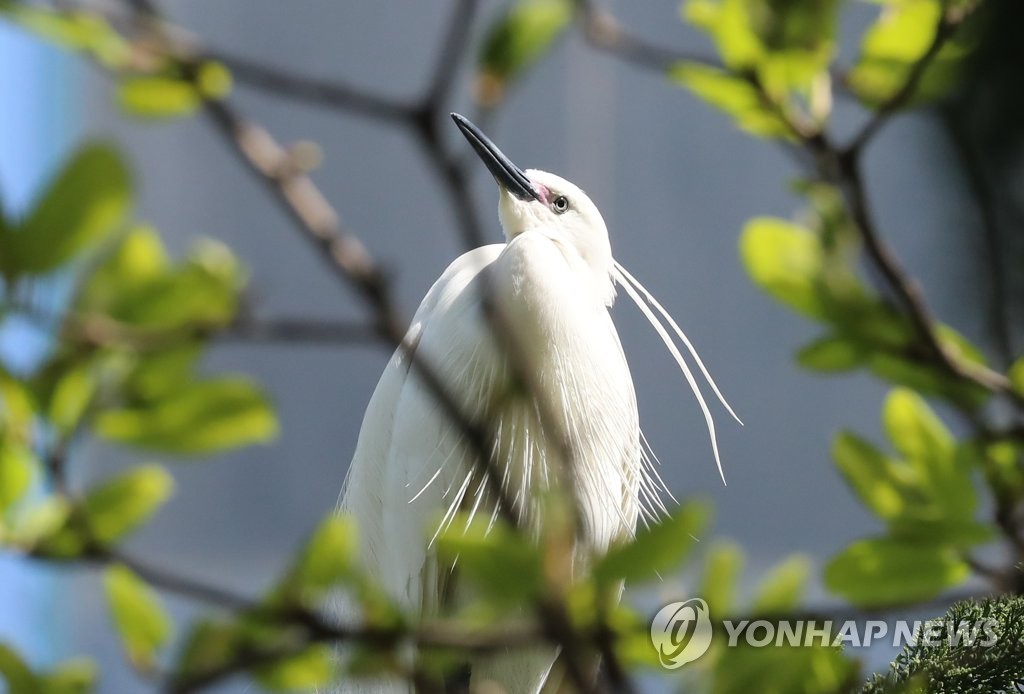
534, 200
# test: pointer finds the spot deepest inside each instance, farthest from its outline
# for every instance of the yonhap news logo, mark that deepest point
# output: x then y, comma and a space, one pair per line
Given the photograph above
681, 632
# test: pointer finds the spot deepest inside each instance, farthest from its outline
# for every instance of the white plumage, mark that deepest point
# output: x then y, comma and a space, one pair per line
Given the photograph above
552, 283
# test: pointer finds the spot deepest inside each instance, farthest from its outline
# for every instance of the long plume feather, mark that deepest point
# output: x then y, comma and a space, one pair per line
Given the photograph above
674, 351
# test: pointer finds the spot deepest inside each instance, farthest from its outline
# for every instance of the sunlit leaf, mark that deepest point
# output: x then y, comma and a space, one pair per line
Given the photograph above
17, 470
914, 429
502, 563
517, 40
882, 484
310, 669
1017, 376
722, 569
158, 97
71, 396
200, 417
15, 672
73, 29
209, 646
121, 504
785, 260
329, 557
657, 549
82, 206
831, 354
213, 79
735, 96
787, 44
782, 669
141, 620
885, 571
902, 35
783, 587
76, 676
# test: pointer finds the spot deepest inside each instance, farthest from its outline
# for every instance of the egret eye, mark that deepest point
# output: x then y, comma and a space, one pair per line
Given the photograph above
560, 204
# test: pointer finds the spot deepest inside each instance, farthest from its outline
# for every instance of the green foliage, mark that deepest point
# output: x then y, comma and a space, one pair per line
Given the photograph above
158, 97
313, 667
966, 664
504, 565
786, 43
656, 549
139, 617
17, 470
70, 677
81, 31
198, 418
517, 40
733, 95
122, 504
885, 571
329, 560
903, 34
927, 499
83, 205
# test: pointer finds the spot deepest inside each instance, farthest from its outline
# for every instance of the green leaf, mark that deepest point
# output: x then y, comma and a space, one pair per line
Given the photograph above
925, 379
84, 205
15, 672
657, 549
781, 590
74, 29
76, 676
71, 397
213, 79
786, 261
914, 429
17, 470
721, 577
1017, 376
158, 97
733, 95
310, 669
209, 646
198, 418
882, 484
782, 670
892, 47
41, 520
520, 37
138, 615
885, 571
125, 502
328, 559
502, 563
136, 286
830, 354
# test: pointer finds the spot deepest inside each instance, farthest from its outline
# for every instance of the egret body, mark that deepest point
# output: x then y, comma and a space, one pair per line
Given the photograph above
552, 282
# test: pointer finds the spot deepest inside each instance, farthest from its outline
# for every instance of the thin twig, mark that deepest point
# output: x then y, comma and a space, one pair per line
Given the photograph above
603, 31
330, 93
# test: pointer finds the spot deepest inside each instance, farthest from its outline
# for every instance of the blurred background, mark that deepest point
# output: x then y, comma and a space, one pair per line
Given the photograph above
675, 181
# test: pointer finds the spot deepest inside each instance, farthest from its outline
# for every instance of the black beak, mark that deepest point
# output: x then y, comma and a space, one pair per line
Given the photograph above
507, 174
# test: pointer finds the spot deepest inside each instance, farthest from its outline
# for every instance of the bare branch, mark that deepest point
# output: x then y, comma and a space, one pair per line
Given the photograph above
453, 47
329, 93
603, 31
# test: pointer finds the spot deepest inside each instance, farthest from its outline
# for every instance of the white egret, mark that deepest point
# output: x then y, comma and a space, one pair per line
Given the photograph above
553, 281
